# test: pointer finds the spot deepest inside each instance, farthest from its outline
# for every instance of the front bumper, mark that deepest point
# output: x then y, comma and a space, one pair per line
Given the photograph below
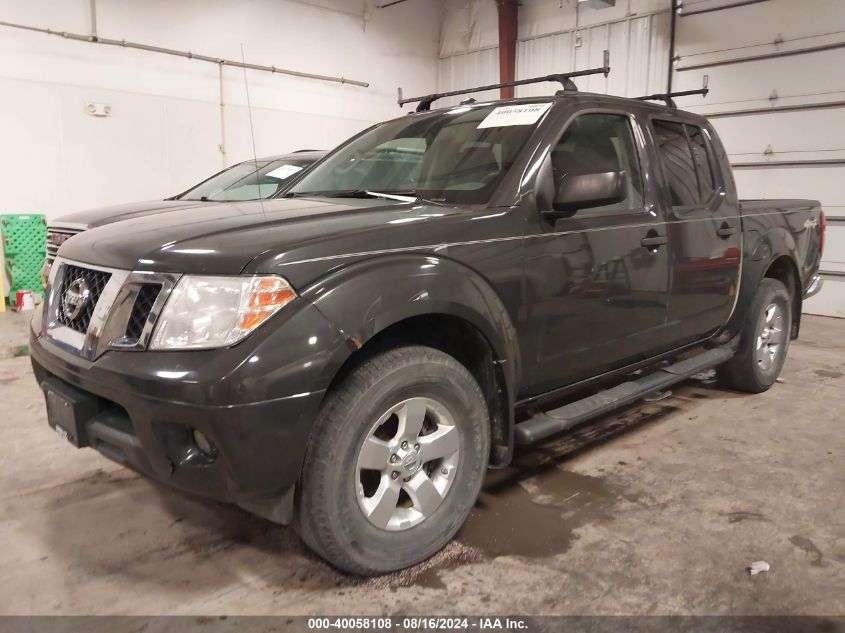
255, 401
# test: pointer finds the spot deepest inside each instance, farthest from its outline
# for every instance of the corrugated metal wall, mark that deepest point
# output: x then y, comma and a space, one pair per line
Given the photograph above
638, 46
559, 36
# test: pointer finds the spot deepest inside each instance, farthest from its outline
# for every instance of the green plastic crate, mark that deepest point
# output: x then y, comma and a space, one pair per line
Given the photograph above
24, 251
23, 233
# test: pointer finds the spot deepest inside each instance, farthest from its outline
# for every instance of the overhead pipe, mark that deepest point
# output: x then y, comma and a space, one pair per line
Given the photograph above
775, 109
94, 18
790, 163
186, 54
721, 8
672, 24
222, 117
754, 58
322, 7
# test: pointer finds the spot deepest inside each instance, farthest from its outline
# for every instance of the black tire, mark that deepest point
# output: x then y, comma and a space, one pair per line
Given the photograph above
329, 515
745, 371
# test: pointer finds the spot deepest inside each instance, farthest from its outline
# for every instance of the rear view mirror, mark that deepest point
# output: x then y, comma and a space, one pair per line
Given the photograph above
584, 191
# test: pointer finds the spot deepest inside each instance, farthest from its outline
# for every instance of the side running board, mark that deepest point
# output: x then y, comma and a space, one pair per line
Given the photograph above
548, 423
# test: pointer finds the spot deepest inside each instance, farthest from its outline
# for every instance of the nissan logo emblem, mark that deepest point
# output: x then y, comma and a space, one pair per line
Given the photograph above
411, 463
76, 296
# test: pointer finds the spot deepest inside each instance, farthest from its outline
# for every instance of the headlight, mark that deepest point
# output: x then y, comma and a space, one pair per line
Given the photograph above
203, 312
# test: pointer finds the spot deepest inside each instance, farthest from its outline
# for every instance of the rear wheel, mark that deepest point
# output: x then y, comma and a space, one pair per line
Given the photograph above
764, 340
395, 461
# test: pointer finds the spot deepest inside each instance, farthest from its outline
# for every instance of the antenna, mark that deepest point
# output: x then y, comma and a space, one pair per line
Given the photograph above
252, 133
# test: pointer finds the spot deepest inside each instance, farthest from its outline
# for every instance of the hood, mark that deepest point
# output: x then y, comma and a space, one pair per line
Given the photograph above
106, 215
223, 238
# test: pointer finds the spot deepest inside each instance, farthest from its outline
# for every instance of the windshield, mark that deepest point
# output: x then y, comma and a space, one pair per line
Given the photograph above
456, 156
246, 182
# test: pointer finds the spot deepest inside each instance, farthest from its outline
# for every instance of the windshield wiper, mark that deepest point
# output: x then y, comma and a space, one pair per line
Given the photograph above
401, 196
366, 193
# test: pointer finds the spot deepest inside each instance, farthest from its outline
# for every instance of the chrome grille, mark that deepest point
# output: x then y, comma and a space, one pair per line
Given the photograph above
121, 310
95, 281
141, 309
56, 236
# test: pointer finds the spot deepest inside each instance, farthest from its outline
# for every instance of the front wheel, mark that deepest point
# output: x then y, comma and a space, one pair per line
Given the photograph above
764, 340
395, 461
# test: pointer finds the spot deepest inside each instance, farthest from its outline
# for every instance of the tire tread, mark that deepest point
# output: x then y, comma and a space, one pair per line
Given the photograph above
313, 507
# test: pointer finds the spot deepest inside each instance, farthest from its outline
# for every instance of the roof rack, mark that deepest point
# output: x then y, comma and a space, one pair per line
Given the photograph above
668, 97
564, 78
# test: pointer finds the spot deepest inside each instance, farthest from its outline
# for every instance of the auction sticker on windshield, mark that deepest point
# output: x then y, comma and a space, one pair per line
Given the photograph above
525, 114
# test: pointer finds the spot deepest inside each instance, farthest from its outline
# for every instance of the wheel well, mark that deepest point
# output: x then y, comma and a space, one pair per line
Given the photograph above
784, 270
464, 342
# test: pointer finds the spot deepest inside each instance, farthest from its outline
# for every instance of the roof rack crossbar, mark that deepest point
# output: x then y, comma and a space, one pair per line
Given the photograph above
564, 79
668, 97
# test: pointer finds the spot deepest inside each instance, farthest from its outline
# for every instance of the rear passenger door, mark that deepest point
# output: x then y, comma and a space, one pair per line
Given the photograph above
705, 234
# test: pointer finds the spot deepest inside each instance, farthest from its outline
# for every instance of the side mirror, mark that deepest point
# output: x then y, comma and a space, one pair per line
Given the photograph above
584, 191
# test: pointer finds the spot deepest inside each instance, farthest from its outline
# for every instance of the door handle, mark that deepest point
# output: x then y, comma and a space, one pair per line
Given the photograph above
726, 230
653, 240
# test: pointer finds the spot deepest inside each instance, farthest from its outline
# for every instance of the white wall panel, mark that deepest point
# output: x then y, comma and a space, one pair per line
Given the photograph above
638, 50
817, 183
470, 69
192, 145
164, 131
636, 33
797, 79
468, 25
752, 30
31, 163
543, 56
120, 150
791, 135
544, 17
835, 243
830, 301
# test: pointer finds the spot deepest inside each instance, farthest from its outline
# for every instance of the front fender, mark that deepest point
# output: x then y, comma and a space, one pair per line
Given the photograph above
366, 297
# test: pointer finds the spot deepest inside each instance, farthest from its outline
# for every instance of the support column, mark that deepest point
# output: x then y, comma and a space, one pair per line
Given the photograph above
508, 21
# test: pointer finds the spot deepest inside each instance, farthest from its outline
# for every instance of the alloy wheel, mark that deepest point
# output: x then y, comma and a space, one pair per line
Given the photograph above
771, 338
407, 464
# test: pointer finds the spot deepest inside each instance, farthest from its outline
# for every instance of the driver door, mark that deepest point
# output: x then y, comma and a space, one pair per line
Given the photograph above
597, 280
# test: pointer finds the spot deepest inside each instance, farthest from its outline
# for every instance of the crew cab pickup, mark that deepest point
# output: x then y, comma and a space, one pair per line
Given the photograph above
439, 289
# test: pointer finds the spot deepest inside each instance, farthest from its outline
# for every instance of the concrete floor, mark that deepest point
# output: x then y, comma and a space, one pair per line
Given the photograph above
655, 510
14, 333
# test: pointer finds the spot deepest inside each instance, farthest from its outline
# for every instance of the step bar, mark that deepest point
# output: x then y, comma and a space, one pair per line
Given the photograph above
554, 421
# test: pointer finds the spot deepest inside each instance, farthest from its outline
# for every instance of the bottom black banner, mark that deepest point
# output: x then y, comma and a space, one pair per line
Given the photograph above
402, 624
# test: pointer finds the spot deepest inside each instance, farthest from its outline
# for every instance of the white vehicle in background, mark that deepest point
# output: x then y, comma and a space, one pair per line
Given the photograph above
250, 180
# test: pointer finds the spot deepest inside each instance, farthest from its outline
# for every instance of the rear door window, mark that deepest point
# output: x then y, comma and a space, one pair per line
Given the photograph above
686, 162
701, 156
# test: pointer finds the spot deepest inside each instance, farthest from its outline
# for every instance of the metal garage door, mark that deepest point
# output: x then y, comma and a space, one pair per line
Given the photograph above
778, 102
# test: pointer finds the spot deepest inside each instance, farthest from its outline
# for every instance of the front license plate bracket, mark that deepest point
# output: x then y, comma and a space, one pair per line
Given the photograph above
68, 410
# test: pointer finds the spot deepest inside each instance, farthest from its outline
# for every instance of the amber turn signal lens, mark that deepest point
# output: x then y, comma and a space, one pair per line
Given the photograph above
267, 295
270, 292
